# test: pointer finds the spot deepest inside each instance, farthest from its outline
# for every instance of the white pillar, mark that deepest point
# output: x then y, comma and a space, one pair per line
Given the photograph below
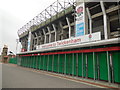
90, 20
55, 32
45, 36
68, 22
104, 20
49, 34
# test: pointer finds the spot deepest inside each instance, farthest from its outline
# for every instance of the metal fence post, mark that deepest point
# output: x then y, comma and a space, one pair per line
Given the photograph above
82, 66
73, 65
65, 65
94, 64
58, 62
48, 63
108, 64
77, 64
53, 63
40, 63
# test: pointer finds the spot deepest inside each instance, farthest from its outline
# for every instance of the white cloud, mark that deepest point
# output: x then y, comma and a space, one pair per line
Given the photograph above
16, 13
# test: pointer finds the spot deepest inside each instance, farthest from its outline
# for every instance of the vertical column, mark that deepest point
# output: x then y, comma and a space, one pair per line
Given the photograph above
58, 62
111, 68
43, 62
53, 63
82, 66
77, 64
44, 35
73, 64
61, 27
49, 34
90, 20
40, 63
94, 64
108, 65
55, 32
68, 22
29, 41
105, 20
48, 63
86, 66
36, 62
65, 65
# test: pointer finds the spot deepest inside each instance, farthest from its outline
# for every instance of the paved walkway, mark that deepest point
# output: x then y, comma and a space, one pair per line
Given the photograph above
17, 77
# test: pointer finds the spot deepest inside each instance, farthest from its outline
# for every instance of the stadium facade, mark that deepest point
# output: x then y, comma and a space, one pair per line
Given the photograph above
74, 38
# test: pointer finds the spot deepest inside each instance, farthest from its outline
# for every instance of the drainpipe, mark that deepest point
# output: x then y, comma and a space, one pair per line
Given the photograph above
68, 22
90, 20
55, 32
104, 20
45, 36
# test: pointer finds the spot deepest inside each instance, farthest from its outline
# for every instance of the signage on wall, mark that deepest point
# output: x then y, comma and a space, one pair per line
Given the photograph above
71, 41
80, 20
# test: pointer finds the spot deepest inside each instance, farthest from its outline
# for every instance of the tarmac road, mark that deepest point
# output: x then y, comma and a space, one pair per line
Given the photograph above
16, 77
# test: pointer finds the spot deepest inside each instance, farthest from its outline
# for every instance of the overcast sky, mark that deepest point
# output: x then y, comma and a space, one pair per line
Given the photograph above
14, 14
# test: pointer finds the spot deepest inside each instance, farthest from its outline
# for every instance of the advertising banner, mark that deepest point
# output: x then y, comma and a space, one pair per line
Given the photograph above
80, 20
71, 41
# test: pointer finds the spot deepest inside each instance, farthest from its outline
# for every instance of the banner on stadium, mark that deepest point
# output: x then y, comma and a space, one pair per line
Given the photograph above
80, 20
71, 41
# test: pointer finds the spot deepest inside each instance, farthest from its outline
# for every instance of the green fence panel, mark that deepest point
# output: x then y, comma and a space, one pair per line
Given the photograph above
69, 64
55, 65
34, 59
45, 62
103, 66
13, 60
79, 64
28, 61
42, 63
116, 66
84, 65
61, 63
23, 61
90, 65
32, 62
50, 62
38, 63
74, 63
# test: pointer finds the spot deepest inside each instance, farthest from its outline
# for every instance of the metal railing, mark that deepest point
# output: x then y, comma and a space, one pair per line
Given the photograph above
46, 14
